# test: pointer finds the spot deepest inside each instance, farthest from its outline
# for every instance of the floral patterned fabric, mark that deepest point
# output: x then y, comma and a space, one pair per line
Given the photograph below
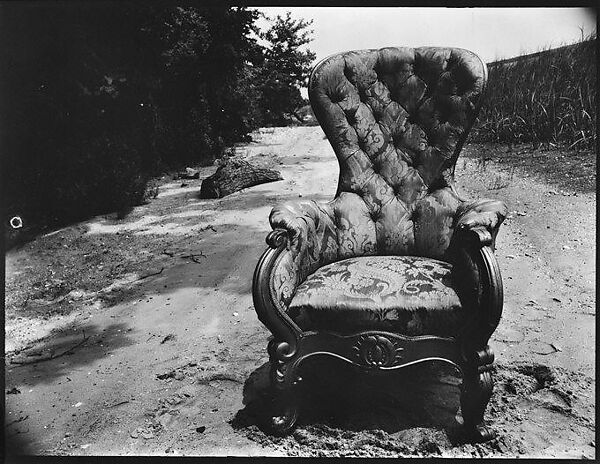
396, 119
404, 294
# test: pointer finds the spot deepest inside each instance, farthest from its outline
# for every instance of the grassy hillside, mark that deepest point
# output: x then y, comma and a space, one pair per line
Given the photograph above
547, 97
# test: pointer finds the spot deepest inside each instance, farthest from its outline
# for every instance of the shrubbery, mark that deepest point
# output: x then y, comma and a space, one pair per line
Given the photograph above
543, 98
98, 97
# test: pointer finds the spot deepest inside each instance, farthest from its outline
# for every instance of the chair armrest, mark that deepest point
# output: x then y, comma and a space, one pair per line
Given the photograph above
311, 233
478, 216
479, 284
274, 277
304, 238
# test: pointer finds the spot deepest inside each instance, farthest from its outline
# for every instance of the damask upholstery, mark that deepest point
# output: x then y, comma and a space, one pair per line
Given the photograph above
397, 254
395, 118
404, 294
313, 238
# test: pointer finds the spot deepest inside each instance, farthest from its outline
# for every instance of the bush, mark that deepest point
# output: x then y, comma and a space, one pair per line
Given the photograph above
547, 97
98, 98
77, 139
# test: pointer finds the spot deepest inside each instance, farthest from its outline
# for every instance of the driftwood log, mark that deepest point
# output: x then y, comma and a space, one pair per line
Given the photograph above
235, 175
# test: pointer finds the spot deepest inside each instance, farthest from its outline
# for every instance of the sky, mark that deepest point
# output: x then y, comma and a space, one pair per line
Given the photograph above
492, 33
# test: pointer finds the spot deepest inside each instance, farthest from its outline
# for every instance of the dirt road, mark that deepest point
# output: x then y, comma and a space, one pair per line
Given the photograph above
138, 336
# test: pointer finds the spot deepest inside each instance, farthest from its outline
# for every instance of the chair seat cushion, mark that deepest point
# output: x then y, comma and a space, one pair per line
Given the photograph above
402, 294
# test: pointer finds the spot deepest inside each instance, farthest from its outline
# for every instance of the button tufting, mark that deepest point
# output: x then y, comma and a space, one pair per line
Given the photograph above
348, 74
382, 110
351, 117
336, 96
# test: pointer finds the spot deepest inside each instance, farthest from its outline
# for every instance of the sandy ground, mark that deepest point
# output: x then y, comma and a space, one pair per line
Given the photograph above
138, 336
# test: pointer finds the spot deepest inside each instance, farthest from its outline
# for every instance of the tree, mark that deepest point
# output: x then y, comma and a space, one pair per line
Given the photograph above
286, 68
99, 96
204, 101
74, 130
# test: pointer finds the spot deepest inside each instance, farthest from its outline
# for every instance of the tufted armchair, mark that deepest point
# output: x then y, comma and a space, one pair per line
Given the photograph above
397, 268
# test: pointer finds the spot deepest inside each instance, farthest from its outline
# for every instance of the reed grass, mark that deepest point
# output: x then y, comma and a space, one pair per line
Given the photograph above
546, 98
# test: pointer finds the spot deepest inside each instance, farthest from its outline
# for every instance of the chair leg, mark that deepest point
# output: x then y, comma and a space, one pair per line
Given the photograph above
284, 404
282, 412
478, 384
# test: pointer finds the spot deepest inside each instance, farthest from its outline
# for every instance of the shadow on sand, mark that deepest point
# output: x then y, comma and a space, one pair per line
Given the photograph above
338, 396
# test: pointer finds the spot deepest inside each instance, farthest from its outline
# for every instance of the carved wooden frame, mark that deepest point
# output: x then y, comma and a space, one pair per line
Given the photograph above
384, 351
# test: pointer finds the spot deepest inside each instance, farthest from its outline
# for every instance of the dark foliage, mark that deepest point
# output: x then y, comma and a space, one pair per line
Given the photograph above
74, 132
97, 97
285, 69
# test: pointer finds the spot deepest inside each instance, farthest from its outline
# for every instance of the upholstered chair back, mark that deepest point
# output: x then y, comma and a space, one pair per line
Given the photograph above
396, 119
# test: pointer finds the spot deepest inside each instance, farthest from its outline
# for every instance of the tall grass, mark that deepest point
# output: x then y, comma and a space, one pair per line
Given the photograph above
545, 98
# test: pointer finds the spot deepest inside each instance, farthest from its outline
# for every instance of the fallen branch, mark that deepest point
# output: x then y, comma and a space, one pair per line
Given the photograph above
54, 356
554, 347
168, 338
235, 175
20, 419
193, 256
150, 275
220, 376
118, 404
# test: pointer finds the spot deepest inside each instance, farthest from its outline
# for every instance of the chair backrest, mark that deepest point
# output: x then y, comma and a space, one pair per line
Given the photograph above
397, 119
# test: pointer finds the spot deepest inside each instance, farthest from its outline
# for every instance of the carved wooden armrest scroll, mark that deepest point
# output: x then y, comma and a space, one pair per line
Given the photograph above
476, 262
271, 313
